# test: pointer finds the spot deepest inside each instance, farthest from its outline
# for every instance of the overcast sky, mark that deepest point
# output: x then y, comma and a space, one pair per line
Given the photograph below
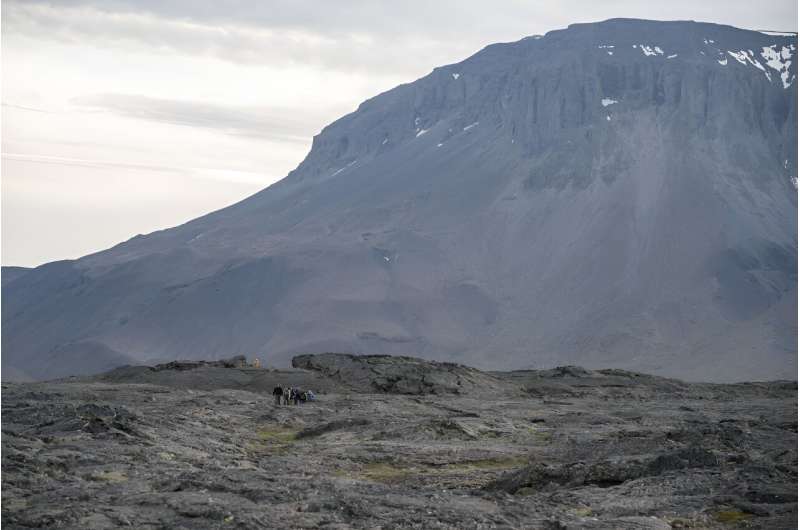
122, 117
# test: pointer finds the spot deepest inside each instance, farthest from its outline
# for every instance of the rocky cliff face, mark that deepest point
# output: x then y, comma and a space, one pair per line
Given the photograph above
612, 194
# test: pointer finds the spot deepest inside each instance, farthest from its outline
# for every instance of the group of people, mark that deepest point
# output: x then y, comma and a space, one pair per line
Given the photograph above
292, 395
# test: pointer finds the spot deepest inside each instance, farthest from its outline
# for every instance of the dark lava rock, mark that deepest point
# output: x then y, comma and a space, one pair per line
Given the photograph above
399, 375
602, 474
236, 361
208, 448
331, 426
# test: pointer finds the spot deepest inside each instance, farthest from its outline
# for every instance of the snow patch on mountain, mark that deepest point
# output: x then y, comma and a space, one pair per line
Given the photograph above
739, 56
648, 50
780, 61
746, 57
343, 168
779, 33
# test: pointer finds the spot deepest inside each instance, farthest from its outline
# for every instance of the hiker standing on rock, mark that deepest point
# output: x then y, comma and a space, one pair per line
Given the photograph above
286, 395
277, 392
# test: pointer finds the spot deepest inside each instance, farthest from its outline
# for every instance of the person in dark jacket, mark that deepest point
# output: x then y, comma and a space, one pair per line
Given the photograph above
277, 393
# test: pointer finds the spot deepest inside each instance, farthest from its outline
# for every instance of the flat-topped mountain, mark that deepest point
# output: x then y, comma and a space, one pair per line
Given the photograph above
613, 194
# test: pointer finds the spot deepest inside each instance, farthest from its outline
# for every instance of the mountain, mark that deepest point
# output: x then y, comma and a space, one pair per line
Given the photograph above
9, 274
616, 194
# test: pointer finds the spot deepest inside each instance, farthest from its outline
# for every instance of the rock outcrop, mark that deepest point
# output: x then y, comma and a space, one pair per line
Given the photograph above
399, 375
237, 361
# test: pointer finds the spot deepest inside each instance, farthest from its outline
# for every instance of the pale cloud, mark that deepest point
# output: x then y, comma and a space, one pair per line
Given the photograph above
362, 51
440, 20
285, 125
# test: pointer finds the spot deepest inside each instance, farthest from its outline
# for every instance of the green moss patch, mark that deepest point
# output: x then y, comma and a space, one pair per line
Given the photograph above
732, 516
273, 440
487, 464
108, 476
280, 435
388, 472
383, 472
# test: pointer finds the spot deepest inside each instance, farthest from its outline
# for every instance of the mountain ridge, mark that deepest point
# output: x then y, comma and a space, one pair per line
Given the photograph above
584, 197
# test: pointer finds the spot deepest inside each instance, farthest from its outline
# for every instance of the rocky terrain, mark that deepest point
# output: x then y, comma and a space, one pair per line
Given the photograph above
397, 443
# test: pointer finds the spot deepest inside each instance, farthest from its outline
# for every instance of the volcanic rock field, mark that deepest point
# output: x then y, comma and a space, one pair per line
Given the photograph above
396, 442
